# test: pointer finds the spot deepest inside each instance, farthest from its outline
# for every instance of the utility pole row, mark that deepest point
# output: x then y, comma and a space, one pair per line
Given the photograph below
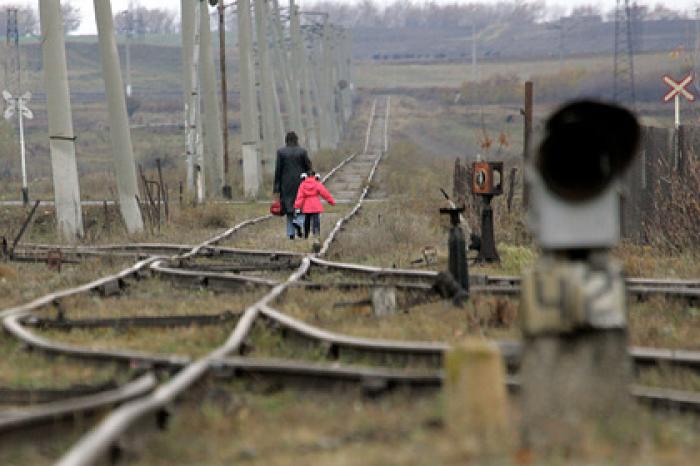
303, 83
295, 76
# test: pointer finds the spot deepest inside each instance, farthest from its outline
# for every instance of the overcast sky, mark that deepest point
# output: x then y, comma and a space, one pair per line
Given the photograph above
88, 24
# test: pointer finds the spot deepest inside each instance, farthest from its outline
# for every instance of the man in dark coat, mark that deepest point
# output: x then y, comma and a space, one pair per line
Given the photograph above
292, 161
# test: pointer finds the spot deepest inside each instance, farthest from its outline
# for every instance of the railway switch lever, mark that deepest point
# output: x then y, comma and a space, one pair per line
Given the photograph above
457, 258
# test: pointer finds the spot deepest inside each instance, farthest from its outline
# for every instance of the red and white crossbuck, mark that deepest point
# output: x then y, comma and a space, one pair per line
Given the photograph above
678, 88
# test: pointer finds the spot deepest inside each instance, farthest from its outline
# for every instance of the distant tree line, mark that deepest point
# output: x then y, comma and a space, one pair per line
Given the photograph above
140, 20
432, 15
28, 19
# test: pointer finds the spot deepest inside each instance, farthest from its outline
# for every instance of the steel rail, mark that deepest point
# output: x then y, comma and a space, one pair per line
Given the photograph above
97, 442
11, 317
27, 396
208, 278
137, 322
208, 246
238, 366
334, 344
14, 326
688, 288
10, 420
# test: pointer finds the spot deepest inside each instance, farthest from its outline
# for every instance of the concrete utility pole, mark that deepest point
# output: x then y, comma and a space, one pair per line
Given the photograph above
267, 91
312, 123
64, 168
289, 84
298, 74
187, 31
329, 136
211, 129
274, 76
250, 130
224, 95
193, 127
120, 136
312, 73
345, 61
338, 105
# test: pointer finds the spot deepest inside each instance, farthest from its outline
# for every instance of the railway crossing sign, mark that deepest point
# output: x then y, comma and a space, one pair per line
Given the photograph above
678, 88
18, 105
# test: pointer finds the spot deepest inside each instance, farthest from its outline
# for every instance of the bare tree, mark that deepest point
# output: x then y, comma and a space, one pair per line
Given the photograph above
27, 21
586, 10
415, 14
71, 17
142, 20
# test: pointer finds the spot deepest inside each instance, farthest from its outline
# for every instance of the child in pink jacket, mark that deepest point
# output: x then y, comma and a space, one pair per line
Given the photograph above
308, 202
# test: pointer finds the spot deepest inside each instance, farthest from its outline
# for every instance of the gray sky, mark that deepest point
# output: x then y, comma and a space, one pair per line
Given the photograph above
88, 24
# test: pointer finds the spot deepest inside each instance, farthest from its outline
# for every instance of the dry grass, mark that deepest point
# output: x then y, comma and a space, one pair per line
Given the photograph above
647, 261
272, 234
25, 369
22, 282
661, 322
436, 321
389, 76
673, 223
46, 446
188, 224
193, 341
262, 423
158, 297
154, 298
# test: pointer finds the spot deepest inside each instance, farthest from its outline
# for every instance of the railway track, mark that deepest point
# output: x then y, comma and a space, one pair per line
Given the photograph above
229, 268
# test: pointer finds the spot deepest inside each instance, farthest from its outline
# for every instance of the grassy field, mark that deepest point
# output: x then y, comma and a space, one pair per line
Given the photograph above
402, 75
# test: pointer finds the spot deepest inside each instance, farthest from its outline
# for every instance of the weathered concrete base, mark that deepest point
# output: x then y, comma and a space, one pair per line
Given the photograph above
64, 168
570, 383
120, 136
475, 397
251, 170
384, 301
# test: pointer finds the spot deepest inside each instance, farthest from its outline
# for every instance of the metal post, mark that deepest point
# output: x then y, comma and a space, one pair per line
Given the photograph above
224, 96
527, 133
676, 131
187, 28
211, 129
561, 44
475, 72
64, 168
119, 123
527, 115
25, 188
250, 131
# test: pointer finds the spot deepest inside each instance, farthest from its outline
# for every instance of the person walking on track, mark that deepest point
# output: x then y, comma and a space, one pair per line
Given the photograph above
292, 161
309, 204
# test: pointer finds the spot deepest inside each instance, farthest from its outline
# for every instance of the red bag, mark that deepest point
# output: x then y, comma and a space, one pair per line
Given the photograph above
276, 208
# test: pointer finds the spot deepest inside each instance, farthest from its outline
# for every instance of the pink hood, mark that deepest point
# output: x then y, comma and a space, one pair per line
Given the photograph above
308, 199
